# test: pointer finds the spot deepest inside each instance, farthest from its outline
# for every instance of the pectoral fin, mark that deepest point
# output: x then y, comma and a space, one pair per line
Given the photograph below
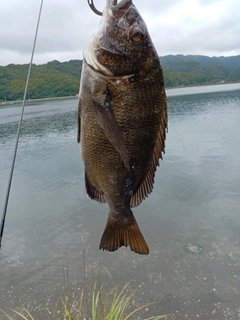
107, 121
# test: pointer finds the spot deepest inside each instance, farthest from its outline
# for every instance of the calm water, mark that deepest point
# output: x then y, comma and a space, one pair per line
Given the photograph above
196, 201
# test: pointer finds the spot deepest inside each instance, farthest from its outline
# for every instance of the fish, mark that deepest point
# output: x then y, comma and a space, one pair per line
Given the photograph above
122, 120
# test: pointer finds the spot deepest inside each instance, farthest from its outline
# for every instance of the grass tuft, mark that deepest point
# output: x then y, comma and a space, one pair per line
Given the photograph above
92, 304
110, 306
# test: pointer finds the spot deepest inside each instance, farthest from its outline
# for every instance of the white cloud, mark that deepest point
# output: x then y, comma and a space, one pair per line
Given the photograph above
209, 27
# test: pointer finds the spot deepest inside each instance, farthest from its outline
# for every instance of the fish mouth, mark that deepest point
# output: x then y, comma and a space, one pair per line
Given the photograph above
123, 4
118, 9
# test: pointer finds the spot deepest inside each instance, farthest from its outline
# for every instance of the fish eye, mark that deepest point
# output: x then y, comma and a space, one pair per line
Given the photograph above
136, 34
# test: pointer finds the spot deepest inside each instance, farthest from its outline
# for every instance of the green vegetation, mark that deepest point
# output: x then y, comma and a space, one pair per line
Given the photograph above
92, 302
50, 80
111, 306
56, 79
180, 70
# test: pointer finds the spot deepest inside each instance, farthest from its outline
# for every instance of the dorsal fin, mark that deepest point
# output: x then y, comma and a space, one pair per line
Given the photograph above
147, 185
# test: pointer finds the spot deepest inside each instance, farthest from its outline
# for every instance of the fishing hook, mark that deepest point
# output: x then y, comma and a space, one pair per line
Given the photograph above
91, 5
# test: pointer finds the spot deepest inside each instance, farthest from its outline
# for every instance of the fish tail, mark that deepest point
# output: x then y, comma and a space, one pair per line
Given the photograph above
118, 234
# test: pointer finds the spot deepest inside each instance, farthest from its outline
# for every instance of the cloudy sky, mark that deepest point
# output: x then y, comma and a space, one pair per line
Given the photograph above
206, 27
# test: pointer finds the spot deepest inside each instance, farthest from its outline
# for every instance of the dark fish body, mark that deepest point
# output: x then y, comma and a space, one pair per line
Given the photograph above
122, 121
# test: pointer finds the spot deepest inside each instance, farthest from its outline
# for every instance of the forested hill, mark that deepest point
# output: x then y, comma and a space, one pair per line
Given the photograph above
180, 70
56, 79
232, 63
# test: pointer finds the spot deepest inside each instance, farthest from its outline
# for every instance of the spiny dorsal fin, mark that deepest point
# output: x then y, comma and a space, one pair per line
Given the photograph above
147, 185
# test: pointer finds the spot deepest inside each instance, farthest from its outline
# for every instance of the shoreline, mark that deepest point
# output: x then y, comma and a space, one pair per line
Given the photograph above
203, 85
37, 100
3, 103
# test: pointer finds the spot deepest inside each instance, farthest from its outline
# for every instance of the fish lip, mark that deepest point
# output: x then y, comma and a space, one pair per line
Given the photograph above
121, 8
119, 5
117, 9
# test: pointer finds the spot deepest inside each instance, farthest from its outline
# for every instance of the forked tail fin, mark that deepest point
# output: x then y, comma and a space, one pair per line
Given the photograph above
117, 235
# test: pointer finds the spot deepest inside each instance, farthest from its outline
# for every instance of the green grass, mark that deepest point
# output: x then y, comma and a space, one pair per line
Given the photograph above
91, 303
114, 305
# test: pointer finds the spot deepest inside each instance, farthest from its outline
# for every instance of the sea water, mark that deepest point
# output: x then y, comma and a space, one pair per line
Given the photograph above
191, 221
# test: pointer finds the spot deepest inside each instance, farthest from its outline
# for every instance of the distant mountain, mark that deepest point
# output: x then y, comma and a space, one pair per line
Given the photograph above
232, 63
72, 67
58, 79
54, 79
180, 70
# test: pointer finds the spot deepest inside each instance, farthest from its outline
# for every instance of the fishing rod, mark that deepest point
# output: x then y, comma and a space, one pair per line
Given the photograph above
18, 131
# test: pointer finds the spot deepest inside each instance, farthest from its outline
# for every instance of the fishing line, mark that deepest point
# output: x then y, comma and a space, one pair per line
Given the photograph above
19, 128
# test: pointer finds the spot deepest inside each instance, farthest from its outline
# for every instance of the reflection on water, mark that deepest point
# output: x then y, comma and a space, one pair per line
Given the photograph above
195, 202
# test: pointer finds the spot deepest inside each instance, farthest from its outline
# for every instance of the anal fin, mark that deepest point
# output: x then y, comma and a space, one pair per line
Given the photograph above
92, 191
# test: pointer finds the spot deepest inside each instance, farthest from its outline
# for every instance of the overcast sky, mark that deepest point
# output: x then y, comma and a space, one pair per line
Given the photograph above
206, 27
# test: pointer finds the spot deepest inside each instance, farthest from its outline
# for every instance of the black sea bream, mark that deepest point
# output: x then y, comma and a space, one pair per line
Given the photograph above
122, 120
